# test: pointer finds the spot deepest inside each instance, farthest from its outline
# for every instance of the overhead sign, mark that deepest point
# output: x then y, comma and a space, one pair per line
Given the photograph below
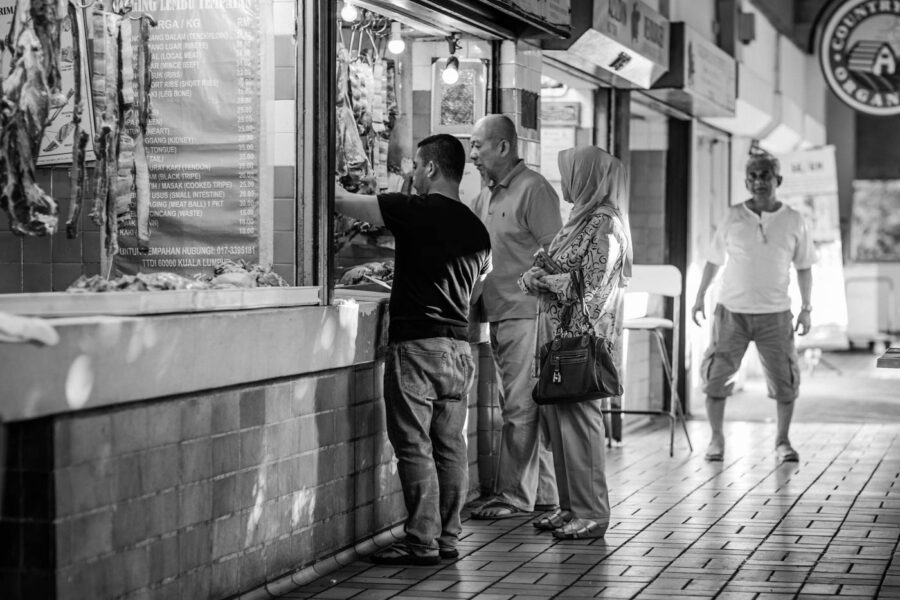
859, 51
702, 78
627, 38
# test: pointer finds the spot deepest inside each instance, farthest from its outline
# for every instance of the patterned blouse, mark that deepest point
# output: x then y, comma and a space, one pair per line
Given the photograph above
599, 251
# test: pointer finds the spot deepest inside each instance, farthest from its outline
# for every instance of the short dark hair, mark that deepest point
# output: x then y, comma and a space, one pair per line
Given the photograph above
447, 152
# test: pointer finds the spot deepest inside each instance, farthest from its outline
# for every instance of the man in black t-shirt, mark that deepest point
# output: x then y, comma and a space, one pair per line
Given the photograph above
442, 251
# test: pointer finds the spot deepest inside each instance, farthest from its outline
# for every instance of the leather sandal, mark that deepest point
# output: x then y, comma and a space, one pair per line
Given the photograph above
553, 521
578, 529
497, 509
786, 453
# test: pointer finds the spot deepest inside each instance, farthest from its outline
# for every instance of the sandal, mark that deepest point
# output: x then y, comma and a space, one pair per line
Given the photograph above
786, 453
498, 509
578, 529
401, 554
715, 452
553, 521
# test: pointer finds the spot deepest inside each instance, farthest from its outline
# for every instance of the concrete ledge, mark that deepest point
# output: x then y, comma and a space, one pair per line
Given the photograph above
106, 360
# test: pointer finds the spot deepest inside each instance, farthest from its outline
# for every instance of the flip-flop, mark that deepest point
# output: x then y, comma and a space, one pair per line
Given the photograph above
579, 529
401, 554
553, 521
786, 453
504, 511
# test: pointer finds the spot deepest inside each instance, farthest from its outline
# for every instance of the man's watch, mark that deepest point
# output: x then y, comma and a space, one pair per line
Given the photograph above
806, 307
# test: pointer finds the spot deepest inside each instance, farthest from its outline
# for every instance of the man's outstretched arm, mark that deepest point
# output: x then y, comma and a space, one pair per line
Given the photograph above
359, 206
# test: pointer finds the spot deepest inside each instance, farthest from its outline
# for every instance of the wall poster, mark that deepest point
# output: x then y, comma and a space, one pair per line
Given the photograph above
56, 146
810, 186
203, 140
875, 230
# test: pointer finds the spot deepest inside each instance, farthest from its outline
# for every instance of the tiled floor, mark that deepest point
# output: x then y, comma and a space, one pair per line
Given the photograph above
683, 528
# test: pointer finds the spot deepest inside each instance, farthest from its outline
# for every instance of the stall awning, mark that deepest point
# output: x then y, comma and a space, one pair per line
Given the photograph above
528, 19
702, 78
622, 42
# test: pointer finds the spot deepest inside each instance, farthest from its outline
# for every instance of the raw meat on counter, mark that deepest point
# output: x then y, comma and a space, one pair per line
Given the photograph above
226, 275
382, 271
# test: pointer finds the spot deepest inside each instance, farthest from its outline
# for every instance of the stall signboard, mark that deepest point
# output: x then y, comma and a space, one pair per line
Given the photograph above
858, 51
809, 186
56, 145
702, 78
203, 140
627, 38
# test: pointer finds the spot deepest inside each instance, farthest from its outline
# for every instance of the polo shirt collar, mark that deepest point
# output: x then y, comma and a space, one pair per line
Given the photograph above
520, 166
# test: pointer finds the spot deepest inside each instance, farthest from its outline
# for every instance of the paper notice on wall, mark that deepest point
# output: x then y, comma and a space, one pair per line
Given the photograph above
56, 145
203, 140
810, 186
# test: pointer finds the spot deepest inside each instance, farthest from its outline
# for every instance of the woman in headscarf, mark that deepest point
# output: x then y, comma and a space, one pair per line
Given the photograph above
595, 245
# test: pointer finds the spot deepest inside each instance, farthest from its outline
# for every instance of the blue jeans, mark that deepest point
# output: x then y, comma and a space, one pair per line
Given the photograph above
426, 387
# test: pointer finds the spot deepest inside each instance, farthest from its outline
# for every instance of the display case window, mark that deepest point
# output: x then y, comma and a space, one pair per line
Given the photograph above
211, 187
394, 89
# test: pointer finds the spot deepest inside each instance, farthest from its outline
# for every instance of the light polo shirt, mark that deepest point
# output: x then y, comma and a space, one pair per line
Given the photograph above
521, 213
759, 250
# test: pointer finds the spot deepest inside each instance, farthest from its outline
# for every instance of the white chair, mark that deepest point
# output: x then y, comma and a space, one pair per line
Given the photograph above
662, 280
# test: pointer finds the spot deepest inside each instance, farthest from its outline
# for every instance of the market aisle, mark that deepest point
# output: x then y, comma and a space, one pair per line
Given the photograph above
745, 528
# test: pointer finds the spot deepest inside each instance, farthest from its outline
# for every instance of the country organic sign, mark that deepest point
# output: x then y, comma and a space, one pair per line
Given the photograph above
859, 52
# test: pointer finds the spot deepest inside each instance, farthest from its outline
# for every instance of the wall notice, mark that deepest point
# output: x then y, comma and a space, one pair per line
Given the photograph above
56, 145
203, 140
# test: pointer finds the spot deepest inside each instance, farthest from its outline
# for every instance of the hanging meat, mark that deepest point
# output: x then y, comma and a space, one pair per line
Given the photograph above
27, 95
80, 138
121, 90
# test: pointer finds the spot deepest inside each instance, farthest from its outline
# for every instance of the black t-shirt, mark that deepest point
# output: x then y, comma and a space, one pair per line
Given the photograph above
441, 250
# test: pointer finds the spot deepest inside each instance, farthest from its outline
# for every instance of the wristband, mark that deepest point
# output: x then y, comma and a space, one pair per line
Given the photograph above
806, 307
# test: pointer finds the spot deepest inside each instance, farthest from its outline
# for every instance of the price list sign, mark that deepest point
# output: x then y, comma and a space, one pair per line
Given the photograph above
203, 138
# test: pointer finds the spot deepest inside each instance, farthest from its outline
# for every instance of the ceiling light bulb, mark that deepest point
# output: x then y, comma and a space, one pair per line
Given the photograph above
349, 12
396, 45
451, 71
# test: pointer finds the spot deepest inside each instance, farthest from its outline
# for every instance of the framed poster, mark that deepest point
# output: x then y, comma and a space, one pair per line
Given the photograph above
456, 107
56, 145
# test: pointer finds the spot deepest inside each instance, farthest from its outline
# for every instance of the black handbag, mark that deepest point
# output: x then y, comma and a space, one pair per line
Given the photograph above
576, 368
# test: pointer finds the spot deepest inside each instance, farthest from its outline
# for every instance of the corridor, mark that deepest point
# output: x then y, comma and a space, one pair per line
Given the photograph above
746, 528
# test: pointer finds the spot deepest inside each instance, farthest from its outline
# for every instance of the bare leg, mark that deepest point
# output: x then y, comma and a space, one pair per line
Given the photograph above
783, 448
715, 413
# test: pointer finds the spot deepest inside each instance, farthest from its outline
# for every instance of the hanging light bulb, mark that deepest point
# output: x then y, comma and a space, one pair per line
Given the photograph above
349, 12
396, 45
450, 75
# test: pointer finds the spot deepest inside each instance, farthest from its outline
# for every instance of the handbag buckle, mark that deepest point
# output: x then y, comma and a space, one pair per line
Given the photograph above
557, 375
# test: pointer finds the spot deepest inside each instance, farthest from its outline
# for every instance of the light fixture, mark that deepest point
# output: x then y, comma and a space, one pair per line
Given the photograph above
396, 45
349, 12
450, 75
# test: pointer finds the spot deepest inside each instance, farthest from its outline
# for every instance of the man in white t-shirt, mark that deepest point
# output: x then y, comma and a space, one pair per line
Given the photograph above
757, 243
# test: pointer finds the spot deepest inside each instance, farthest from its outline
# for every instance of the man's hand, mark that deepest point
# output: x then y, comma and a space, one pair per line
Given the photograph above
699, 307
803, 323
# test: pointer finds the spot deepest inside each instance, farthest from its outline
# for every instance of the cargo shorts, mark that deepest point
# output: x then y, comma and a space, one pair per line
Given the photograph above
773, 334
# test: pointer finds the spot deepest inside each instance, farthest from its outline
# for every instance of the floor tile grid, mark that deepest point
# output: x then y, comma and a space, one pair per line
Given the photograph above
736, 503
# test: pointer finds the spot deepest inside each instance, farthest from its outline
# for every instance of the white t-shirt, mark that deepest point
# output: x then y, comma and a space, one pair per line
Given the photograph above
759, 250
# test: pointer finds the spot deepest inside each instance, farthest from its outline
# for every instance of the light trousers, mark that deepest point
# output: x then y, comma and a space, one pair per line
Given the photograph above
524, 473
579, 456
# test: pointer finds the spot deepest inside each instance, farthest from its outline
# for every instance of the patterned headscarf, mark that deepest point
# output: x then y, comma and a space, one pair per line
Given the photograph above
592, 179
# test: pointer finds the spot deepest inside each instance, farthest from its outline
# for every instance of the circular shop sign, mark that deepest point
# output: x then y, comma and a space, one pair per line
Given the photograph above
860, 55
